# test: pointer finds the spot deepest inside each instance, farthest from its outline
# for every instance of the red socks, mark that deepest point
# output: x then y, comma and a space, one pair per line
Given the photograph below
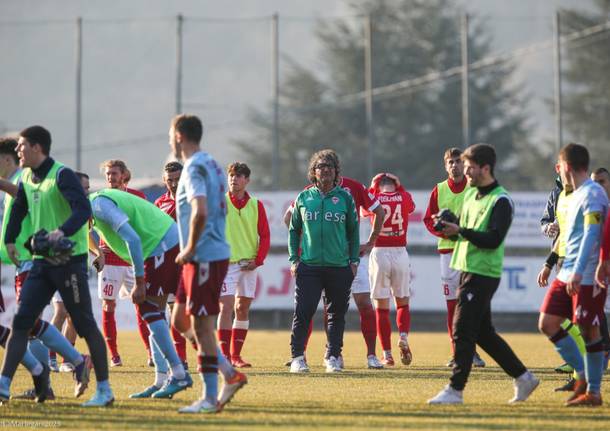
403, 319
109, 328
238, 337
179, 344
224, 339
144, 332
368, 328
309, 330
384, 329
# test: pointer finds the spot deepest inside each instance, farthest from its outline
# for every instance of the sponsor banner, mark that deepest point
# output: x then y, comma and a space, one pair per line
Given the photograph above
524, 232
518, 291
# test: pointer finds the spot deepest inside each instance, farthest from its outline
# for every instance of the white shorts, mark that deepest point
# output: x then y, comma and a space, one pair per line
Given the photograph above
390, 270
361, 281
114, 278
450, 278
242, 283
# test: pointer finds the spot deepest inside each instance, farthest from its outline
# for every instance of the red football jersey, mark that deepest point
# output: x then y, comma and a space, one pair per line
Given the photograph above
109, 256
362, 197
397, 207
167, 204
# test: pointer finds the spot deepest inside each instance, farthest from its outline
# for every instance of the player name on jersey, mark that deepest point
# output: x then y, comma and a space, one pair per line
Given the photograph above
389, 198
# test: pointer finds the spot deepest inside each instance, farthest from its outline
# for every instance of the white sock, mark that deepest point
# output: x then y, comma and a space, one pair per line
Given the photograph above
178, 371
224, 366
525, 376
160, 379
454, 390
241, 324
387, 354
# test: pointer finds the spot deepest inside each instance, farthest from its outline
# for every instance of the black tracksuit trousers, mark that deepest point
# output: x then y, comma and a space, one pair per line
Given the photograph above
336, 283
472, 325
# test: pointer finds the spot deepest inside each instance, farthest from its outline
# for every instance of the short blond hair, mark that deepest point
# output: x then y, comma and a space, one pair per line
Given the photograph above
114, 163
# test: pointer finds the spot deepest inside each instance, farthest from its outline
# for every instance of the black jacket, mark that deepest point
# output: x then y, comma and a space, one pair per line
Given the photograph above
548, 216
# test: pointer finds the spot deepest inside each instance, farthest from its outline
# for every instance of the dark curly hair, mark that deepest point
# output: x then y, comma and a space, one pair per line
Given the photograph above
328, 156
172, 166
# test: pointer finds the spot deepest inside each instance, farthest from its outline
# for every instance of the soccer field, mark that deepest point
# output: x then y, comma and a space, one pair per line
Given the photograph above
356, 399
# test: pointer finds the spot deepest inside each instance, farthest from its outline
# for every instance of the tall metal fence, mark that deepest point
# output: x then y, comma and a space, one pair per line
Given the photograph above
108, 87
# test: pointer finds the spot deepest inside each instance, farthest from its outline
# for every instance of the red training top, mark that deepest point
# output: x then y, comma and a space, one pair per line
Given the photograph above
167, 204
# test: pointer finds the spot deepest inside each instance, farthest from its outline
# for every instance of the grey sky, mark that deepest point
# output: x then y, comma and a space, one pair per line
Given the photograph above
128, 67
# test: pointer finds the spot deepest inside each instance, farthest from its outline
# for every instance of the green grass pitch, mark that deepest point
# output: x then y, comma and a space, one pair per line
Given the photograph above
356, 399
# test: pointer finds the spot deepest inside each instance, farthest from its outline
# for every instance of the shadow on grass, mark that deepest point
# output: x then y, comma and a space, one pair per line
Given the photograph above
154, 414
415, 373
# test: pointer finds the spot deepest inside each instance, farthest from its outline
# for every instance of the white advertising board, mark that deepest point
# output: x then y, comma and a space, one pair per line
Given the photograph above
518, 290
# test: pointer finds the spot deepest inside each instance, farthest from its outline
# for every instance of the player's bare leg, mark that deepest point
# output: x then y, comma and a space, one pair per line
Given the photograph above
182, 323
69, 331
